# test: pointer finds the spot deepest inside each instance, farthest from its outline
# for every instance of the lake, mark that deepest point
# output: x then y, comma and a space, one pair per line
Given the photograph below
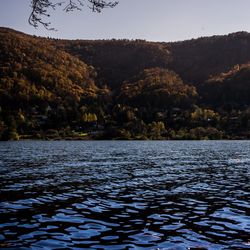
125, 195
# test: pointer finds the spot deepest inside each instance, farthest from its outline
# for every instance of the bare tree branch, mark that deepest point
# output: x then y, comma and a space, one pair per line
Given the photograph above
98, 5
40, 9
73, 5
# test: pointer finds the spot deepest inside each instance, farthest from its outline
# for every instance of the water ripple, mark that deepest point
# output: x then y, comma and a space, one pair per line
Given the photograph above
125, 195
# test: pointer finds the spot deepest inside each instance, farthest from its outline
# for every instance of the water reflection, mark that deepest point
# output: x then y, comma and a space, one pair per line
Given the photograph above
125, 195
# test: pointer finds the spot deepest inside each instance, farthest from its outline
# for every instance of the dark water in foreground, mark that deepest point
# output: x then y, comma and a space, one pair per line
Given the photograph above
125, 195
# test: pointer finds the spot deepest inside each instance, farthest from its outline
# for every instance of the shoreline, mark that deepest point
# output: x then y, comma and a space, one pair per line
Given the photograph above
119, 139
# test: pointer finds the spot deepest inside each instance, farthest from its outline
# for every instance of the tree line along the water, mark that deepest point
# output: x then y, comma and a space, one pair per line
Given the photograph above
121, 89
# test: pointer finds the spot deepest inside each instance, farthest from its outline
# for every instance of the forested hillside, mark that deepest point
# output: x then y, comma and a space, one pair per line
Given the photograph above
197, 60
41, 87
121, 89
118, 60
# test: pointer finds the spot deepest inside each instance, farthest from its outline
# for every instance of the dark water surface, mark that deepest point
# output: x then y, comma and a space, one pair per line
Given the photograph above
125, 195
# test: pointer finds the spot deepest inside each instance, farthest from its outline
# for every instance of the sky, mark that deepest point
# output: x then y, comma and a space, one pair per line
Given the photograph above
153, 20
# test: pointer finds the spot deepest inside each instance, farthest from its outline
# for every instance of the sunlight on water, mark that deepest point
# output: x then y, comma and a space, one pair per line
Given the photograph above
125, 195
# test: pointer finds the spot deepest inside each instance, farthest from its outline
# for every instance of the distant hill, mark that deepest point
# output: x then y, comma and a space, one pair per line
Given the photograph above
117, 60
197, 60
195, 89
32, 70
194, 60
